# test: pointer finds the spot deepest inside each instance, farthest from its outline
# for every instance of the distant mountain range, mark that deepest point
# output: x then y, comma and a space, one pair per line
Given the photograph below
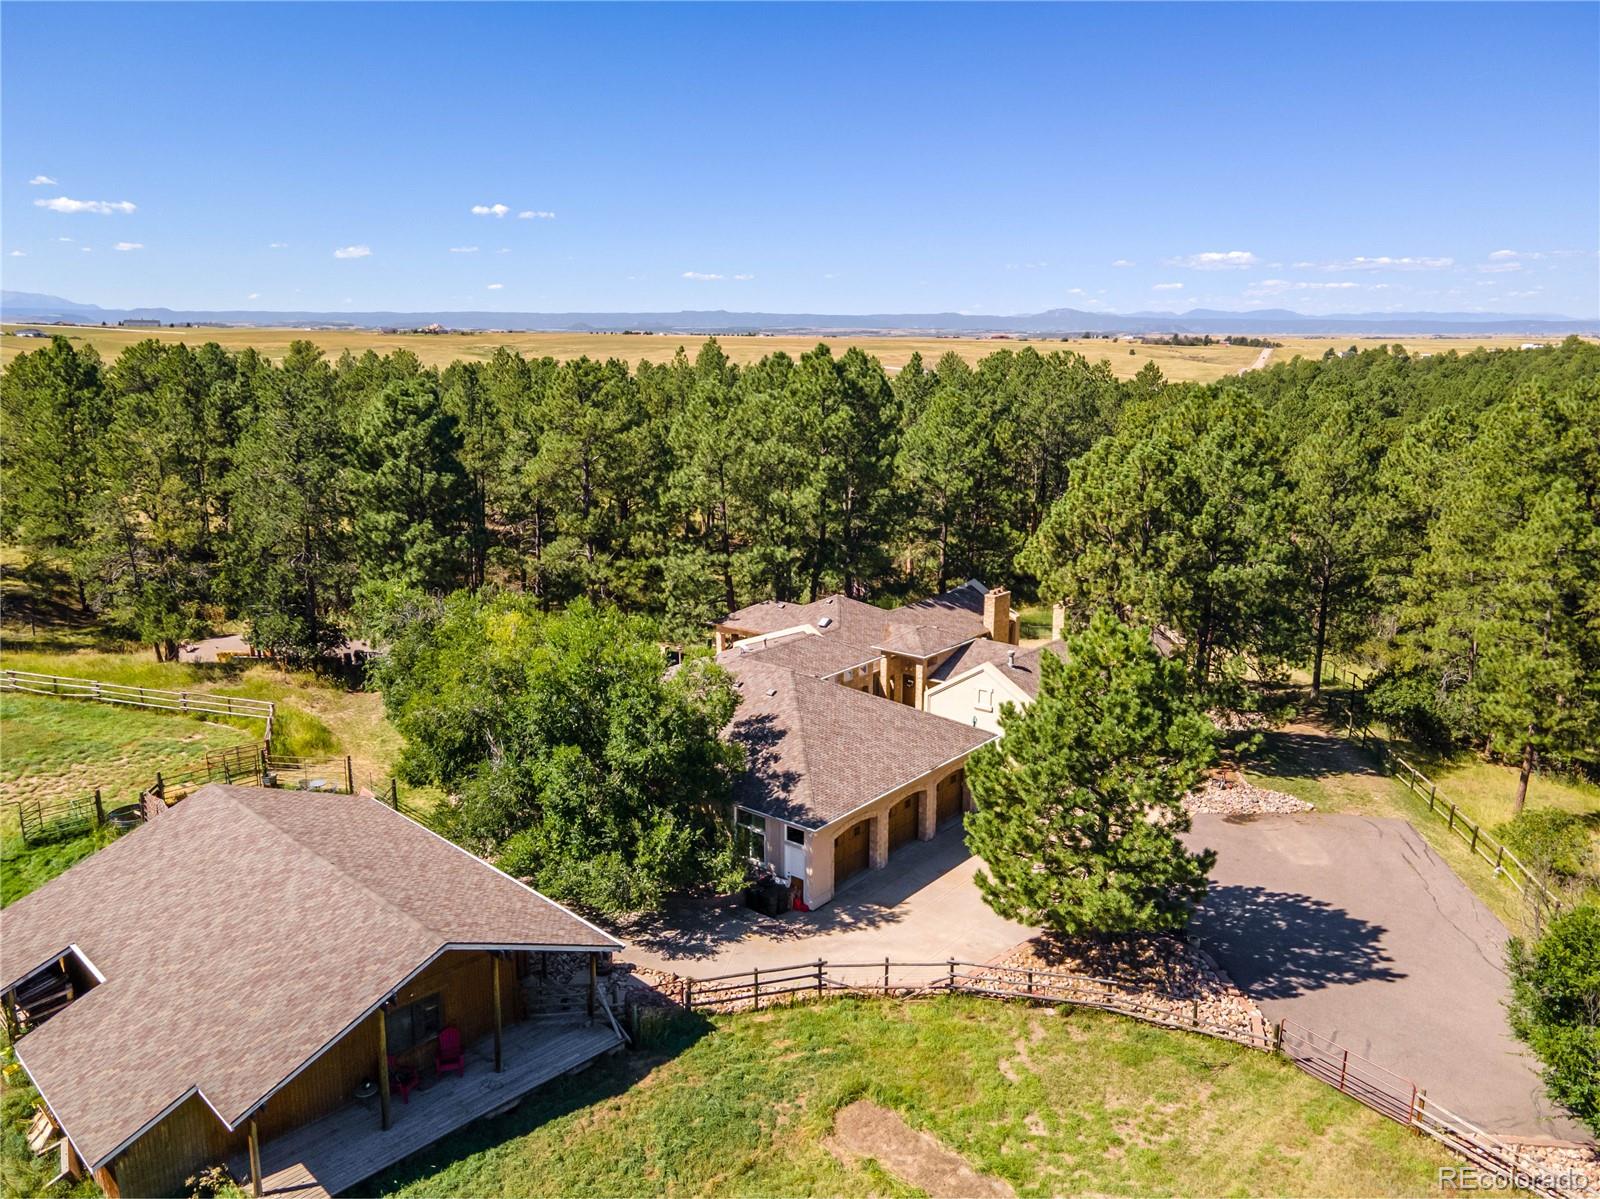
22, 306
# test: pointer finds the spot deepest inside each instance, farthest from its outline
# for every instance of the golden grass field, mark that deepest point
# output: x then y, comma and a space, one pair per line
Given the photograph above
1178, 363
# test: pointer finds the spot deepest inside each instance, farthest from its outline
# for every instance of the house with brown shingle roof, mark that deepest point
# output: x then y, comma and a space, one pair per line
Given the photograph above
894, 649
251, 975
845, 767
837, 780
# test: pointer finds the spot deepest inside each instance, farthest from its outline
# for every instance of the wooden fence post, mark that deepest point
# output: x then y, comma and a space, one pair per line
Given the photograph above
688, 994
886, 975
819, 976
22, 823
755, 991
161, 788
264, 763
1452, 818
394, 794
951, 984
99, 809
349, 777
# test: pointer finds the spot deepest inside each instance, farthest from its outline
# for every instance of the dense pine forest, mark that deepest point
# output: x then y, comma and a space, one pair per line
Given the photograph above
1434, 519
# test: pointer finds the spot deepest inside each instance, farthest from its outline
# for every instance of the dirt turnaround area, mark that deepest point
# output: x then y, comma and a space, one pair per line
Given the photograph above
864, 1129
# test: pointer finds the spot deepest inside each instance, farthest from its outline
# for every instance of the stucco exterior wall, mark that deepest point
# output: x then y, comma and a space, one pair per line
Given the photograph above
973, 699
819, 847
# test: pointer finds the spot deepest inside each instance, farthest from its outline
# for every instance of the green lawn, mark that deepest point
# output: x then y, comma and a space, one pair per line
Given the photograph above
1055, 1103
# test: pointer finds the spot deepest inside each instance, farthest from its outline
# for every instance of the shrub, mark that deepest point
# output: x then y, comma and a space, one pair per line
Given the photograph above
1552, 843
1555, 1007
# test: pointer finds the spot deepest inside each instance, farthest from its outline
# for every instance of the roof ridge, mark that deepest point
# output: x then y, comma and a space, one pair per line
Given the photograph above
233, 797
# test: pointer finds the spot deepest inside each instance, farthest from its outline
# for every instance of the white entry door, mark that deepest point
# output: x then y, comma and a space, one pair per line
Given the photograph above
794, 859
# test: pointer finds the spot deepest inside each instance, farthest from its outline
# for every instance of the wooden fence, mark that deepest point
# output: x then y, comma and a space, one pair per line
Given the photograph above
1483, 844
43, 820
191, 703
1385, 1092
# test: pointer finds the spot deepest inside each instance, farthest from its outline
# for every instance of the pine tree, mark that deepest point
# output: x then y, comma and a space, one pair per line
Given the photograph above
1079, 805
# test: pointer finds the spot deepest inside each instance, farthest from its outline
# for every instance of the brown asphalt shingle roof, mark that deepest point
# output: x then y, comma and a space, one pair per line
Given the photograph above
817, 655
239, 934
1024, 674
818, 750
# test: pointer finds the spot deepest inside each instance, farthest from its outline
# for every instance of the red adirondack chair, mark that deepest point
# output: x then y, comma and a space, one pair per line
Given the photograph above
403, 1079
450, 1055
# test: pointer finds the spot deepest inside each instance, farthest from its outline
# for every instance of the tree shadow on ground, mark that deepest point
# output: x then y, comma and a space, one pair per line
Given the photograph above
1304, 753
1278, 945
873, 899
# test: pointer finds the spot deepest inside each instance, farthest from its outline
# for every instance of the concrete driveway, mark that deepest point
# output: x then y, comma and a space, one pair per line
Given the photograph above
922, 907
1354, 928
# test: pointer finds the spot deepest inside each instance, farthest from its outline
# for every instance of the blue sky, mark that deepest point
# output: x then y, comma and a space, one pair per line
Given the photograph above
795, 158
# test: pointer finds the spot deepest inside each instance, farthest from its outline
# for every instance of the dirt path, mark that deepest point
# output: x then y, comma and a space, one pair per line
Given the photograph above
1261, 361
863, 1129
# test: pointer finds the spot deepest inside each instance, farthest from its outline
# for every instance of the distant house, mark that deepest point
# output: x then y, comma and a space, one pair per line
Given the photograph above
350, 652
250, 976
139, 324
28, 333
1533, 345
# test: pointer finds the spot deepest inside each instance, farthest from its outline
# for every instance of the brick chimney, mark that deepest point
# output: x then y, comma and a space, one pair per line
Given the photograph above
997, 614
1058, 621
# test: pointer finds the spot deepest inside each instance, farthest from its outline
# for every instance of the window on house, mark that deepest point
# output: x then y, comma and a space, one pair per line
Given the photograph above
750, 835
795, 836
986, 699
413, 1023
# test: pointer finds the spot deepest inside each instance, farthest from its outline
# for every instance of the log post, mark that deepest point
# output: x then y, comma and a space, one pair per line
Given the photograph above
383, 1067
255, 1160
499, 1064
349, 777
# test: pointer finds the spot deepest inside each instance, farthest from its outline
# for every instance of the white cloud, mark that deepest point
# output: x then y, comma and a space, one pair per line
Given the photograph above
496, 286
128, 245
535, 214
102, 207
494, 210
255, 295
87, 249
744, 278
353, 252
67, 239
1499, 268
463, 249
19, 253
41, 181
1167, 287
1275, 287
277, 245
1217, 260
1123, 262
503, 250
1383, 262
701, 276
1505, 254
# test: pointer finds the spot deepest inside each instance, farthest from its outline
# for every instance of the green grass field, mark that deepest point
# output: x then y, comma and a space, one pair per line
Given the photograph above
1054, 1103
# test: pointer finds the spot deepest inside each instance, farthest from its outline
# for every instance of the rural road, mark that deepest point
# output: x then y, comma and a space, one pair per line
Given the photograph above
1354, 928
1261, 361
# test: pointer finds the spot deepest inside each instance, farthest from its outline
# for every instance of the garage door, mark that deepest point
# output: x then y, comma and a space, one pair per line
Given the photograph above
850, 851
950, 797
902, 822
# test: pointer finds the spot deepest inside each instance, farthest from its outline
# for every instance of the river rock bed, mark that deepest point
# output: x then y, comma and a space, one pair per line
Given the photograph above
1235, 797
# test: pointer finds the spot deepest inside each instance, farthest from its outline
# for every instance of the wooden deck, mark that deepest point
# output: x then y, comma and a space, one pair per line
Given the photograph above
342, 1149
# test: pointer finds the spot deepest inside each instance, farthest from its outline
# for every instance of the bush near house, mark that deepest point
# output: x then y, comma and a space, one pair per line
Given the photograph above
1555, 1007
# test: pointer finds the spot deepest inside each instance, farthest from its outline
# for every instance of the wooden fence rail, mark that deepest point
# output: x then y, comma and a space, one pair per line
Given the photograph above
200, 703
1377, 1087
1478, 840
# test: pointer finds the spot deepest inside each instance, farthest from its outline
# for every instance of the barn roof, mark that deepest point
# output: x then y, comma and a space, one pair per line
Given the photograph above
238, 935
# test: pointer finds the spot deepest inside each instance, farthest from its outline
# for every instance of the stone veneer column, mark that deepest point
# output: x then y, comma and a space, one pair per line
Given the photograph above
878, 847
927, 812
